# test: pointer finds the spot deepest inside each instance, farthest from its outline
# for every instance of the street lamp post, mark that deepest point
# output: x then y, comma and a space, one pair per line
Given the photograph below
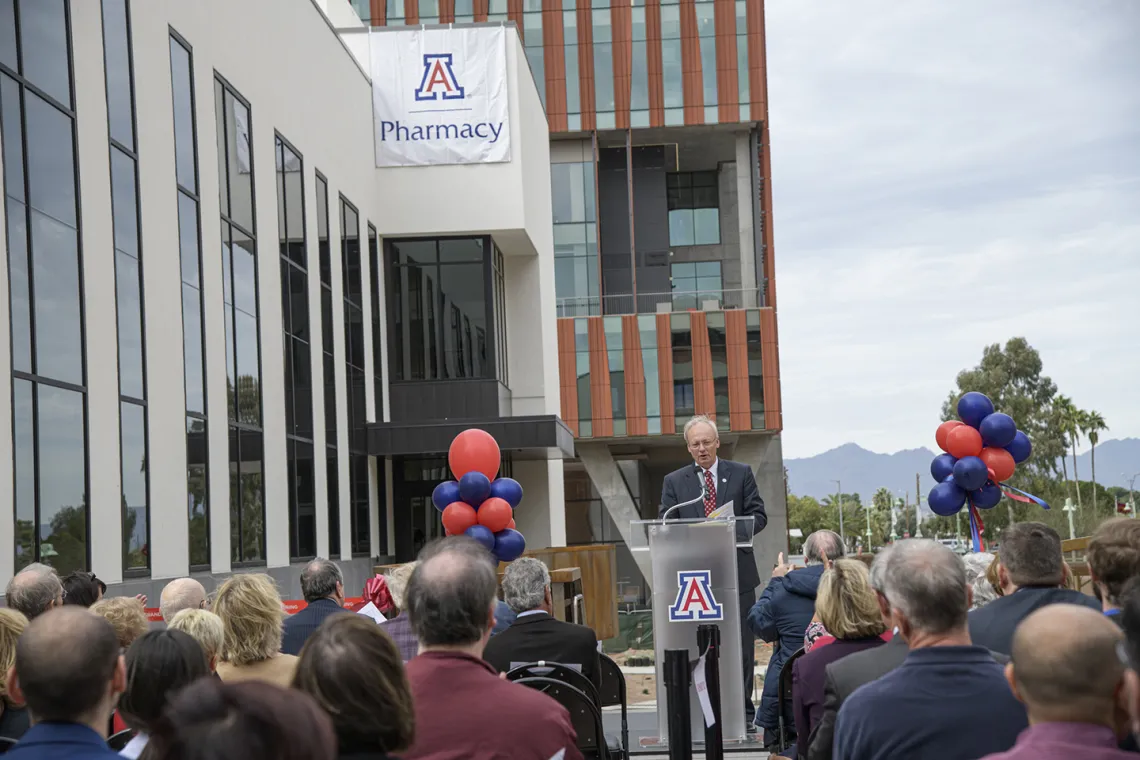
839, 502
1131, 497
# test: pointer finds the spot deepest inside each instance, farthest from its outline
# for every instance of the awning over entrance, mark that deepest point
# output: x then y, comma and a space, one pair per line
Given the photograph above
542, 436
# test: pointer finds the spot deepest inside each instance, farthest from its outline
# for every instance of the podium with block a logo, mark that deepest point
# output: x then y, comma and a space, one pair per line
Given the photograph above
693, 566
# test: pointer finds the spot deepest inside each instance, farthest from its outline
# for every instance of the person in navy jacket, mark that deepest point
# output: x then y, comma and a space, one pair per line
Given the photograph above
783, 613
323, 587
70, 674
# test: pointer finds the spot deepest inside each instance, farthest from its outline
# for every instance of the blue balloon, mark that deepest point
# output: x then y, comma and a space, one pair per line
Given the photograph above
998, 430
1020, 447
970, 473
946, 499
509, 545
445, 493
483, 535
507, 489
986, 497
974, 407
942, 467
474, 487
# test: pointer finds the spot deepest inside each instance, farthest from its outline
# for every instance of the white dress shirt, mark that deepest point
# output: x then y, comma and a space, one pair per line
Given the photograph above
712, 469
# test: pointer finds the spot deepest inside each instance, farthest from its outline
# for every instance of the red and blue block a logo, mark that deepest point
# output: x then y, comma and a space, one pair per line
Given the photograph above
695, 600
439, 82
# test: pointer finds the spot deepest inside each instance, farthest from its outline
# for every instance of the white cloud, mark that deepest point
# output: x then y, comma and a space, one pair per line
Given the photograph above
946, 176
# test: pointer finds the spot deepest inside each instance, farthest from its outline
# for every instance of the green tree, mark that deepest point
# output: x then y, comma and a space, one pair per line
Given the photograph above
807, 514
1093, 427
1071, 421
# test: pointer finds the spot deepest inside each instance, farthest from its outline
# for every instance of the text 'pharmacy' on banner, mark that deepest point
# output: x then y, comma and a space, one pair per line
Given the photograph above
440, 96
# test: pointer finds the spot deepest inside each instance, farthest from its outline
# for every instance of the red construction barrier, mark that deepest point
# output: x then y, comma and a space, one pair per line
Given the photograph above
292, 607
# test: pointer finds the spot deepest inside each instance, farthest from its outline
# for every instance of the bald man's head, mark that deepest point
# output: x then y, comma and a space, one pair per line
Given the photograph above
1064, 664
451, 593
181, 594
34, 590
68, 667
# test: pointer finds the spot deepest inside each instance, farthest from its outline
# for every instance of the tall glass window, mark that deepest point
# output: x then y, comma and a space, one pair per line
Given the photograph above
694, 216
49, 425
671, 69
499, 289
532, 43
718, 347
497, 10
441, 309
742, 59
464, 11
118, 70
394, 12
363, 10
243, 352
193, 337
639, 86
706, 33
429, 11
615, 356
582, 373
328, 366
603, 68
575, 239
647, 327
755, 368
297, 344
352, 286
684, 405
570, 50
377, 287
694, 283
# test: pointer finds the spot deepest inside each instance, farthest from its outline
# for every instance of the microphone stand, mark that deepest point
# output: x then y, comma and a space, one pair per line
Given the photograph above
684, 503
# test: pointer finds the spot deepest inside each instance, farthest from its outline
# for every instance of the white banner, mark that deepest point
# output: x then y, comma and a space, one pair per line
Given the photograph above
439, 96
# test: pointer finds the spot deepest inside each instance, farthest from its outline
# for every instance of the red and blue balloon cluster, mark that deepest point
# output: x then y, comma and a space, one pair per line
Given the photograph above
983, 450
479, 504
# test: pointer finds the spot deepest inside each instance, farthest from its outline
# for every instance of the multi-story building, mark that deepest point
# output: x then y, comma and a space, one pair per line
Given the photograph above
662, 215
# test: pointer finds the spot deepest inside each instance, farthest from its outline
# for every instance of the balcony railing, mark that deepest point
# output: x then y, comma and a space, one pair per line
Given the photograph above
658, 303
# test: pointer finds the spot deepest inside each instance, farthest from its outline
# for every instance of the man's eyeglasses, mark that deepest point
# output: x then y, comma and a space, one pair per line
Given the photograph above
698, 445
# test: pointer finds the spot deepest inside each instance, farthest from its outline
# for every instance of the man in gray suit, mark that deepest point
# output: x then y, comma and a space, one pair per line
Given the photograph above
720, 482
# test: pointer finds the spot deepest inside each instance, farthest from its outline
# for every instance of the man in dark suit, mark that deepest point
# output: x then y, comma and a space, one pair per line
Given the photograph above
70, 674
1030, 561
535, 634
720, 482
322, 585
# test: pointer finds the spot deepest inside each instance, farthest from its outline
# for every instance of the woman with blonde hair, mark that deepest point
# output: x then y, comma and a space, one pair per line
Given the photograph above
252, 614
126, 614
849, 610
204, 627
14, 719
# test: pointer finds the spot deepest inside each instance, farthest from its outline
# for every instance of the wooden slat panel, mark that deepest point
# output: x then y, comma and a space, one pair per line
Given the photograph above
601, 399
447, 11
654, 64
411, 11
586, 95
554, 62
769, 289
770, 356
736, 338
692, 86
727, 74
704, 396
568, 374
636, 422
481, 8
598, 565
621, 21
379, 11
757, 61
665, 374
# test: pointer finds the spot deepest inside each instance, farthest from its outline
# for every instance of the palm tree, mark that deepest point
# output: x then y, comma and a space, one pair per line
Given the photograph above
1094, 424
1071, 429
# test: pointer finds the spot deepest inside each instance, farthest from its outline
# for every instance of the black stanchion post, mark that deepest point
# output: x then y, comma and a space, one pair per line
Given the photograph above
708, 643
677, 695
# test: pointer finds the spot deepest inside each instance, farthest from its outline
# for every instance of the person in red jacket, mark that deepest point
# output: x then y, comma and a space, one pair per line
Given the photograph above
462, 708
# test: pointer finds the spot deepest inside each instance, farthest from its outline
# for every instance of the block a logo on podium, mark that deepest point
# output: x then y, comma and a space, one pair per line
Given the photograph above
440, 96
695, 601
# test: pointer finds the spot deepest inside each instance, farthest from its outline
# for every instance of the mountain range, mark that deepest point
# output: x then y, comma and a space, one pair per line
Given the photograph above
864, 472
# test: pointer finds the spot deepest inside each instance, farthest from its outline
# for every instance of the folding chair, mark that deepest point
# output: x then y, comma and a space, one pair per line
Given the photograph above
584, 715
613, 693
784, 700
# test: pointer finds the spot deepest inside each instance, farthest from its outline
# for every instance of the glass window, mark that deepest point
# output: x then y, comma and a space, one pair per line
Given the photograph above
24, 449
742, 54
695, 283
497, 10
639, 85
58, 327
429, 11
570, 50
683, 403
671, 73
464, 11
51, 161
694, 216
62, 478
8, 34
582, 371
755, 369
333, 489
196, 480
136, 517
376, 288
117, 60
718, 348
647, 327
706, 30
182, 88
302, 494
21, 303
43, 42
12, 124
359, 528
395, 11
243, 361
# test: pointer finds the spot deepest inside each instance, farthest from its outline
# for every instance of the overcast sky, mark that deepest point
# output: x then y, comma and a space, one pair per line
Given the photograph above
949, 175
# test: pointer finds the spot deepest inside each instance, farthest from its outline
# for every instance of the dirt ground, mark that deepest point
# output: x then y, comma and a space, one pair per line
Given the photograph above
643, 688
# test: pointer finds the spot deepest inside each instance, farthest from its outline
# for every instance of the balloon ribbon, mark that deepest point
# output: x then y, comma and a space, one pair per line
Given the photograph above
977, 527
376, 591
1022, 496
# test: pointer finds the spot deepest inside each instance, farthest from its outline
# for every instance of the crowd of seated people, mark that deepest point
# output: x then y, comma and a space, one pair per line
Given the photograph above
908, 663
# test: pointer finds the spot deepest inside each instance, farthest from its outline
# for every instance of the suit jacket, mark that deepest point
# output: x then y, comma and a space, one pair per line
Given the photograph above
541, 637
298, 628
400, 629
737, 484
464, 711
808, 674
61, 741
992, 626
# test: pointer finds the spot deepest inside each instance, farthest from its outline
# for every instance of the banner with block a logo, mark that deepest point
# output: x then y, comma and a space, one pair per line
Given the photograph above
440, 96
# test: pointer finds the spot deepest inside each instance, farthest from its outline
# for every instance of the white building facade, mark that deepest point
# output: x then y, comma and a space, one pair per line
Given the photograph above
233, 342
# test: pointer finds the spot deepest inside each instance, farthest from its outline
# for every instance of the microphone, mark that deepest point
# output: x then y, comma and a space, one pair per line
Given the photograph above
700, 498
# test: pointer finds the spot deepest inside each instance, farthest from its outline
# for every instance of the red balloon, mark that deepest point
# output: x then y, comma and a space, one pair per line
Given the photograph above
944, 431
964, 441
474, 450
458, 517
1000, 463
511, 524
495, 514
